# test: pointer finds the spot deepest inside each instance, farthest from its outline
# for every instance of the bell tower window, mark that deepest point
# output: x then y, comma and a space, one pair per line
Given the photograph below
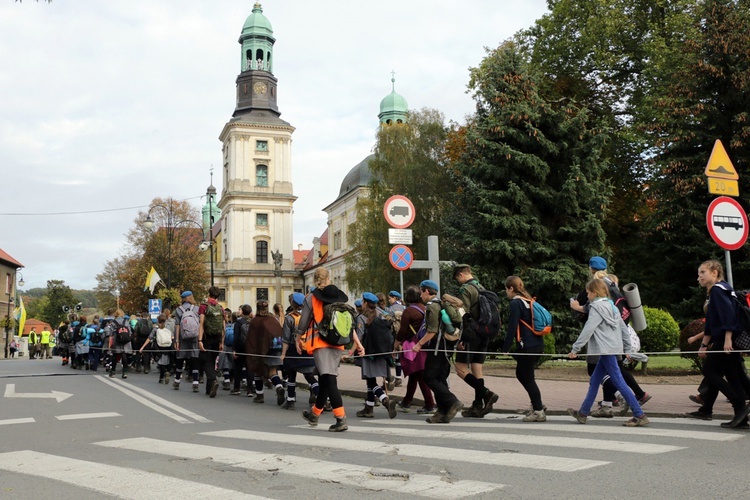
261, 176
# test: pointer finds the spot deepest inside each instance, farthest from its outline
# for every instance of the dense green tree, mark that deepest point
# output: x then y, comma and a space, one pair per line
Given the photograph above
531, 196
699, 92
409, 159
58, 295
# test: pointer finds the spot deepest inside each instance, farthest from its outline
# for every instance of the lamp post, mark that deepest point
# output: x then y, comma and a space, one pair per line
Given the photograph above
12, 294
210, 195
172, 225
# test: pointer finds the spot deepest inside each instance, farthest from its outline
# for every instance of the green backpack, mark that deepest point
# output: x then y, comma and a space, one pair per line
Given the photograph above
337, 324
213, 320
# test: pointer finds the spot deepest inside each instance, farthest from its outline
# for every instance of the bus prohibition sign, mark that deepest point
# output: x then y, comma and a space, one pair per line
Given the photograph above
727, 223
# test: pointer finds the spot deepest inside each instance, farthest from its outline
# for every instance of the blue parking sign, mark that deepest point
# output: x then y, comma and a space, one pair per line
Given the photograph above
154, 306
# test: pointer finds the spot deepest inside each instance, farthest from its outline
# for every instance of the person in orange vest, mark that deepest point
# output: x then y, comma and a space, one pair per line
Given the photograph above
44, 346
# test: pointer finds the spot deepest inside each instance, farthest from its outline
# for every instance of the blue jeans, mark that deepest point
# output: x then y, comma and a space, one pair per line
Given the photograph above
607, 365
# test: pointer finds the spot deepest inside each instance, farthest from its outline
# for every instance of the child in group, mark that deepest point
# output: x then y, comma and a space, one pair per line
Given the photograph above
607, 336
164, 340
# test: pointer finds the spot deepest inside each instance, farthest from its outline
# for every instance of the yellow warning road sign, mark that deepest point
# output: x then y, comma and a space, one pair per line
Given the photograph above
719, 165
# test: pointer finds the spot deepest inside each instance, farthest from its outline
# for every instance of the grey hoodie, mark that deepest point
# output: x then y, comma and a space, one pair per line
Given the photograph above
604, 331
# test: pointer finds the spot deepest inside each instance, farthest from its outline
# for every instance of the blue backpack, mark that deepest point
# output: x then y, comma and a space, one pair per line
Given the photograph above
541, 319
229, 335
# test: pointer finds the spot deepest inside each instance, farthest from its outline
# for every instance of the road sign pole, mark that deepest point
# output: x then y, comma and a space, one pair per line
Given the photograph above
401, 273
729, 268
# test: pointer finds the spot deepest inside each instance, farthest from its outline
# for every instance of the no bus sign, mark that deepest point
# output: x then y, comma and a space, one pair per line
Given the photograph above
727, 223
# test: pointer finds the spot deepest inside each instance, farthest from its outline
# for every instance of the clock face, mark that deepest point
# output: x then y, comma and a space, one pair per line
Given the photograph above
260, 88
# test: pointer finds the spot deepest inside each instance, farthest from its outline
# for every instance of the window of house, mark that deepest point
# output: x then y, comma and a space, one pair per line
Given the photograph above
261, 175
261, 293
261, 252
261, 145
337, 240
261, 219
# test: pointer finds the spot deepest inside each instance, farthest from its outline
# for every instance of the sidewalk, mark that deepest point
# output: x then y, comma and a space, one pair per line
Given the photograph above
558, 396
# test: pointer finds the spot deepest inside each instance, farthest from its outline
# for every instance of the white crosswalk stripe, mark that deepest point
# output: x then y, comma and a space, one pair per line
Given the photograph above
82, 416
111, 480
498, 437
369, 478
522, 460
566, 425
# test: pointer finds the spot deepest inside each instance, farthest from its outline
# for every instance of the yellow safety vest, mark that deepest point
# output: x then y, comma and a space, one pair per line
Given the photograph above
33, 338
45, 336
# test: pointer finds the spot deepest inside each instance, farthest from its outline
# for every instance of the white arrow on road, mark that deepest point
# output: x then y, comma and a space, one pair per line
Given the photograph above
10, 392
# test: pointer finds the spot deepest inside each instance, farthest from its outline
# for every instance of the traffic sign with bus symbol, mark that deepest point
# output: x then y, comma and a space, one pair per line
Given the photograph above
727, 223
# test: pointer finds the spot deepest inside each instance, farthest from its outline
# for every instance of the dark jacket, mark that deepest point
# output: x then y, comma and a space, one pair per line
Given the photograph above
520, 311
260, 335
722, 313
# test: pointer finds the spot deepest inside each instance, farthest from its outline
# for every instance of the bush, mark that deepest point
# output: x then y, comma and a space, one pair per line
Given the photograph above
549, 348
689, 350
662, 334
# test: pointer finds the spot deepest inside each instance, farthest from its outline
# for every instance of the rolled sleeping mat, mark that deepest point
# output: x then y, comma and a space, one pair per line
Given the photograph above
633, 298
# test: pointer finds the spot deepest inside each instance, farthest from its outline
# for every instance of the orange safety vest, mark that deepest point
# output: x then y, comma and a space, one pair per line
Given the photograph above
310, 339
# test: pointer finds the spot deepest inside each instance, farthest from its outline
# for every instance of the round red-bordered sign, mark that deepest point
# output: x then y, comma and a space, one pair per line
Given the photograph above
727, 223
399, 211
401, 257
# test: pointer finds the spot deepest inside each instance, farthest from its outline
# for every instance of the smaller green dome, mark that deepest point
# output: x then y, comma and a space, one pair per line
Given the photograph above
393, 107
256, 23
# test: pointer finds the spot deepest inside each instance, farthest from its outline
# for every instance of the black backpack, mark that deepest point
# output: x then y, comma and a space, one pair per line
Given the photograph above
487, 325
619, 299
144, 328
66, 337
121, 332
96, 336
78, 333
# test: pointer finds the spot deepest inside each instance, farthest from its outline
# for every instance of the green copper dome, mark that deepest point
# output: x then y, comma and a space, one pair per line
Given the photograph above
257, 23
393, 107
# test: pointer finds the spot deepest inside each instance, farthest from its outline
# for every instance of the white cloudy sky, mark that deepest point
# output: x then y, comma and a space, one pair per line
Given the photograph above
107, 105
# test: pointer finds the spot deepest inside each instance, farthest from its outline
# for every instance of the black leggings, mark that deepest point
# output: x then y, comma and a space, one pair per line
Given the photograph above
329, 390
525, 374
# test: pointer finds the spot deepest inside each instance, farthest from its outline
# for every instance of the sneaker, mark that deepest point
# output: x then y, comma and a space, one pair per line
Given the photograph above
473, 411
214, 388
243, 384
328, 406
280, 395
424, 410
195, 387
288, 405
535, 416
176, 385
437, 418
624, 404
111, 374
166, 378
741, 426
399, 382
602, 412
259, 399
311, 418
225, 385
391, 383
391, 407
645, 399
452, 411
641, 421
696, 398
577, 415
124, 375
699, 415
366, 412
339, 426
740, 417
489, 398
406, 408
235, 392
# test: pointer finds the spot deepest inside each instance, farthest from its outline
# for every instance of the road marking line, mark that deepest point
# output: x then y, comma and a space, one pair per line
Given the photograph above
112, 480
164, 402
497, 437
10, 392
11, 421
523, 460
81, 416
571, 426
145, 401
369, 478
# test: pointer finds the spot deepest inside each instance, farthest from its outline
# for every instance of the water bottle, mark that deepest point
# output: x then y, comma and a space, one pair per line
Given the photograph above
449, 328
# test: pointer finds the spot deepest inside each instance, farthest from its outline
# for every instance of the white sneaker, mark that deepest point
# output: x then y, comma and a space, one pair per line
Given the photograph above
535, 416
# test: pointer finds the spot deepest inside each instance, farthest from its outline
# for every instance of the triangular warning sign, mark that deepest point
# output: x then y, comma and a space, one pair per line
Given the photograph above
719, 165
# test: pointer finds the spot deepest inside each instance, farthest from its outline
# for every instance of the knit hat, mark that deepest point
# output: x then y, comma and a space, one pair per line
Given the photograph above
598, 263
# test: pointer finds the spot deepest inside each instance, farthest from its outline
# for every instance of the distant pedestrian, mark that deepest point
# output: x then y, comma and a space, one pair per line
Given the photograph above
162, 339
33, 343
12, 348
187, 326
45, 351
120, 336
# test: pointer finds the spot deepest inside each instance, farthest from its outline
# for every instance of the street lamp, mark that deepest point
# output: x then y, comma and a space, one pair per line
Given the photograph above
209, 244
172, 225
13, 293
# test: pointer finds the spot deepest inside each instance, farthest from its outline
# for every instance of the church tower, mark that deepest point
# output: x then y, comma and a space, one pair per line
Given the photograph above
255, 241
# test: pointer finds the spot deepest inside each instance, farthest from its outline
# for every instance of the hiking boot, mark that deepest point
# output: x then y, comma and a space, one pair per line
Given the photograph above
391, 383
531, 410
339, 426
741, 426
288, 405
399, 382
235, 392
474, 411
124, 375
489, 399
366, 412
699, 415
535, 416
740, 417
280, 395
195, 388
259, 399
437, 418
138, 369
225, 385
641, 421
166, 378
312, 398
311, 418
424, 410
625, 407
454, 408
406, 408
267, 384
243, 384
176, 385
214, 388
328, 406
577, 415
602, 412
391, 407
111, 374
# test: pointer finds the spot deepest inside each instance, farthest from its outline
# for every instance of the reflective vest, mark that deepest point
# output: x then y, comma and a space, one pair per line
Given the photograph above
310, 339
33, 337
45, 336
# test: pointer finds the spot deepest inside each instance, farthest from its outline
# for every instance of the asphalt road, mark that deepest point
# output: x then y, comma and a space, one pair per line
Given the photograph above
77, 434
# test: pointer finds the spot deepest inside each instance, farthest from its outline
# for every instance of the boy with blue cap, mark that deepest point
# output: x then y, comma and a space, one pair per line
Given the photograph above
298, 361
